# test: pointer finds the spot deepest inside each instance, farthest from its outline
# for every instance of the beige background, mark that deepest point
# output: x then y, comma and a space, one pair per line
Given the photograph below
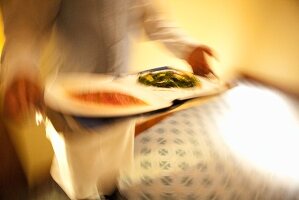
257, 36
260, 37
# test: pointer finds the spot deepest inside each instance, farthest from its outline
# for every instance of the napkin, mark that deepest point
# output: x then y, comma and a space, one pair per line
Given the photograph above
89, 158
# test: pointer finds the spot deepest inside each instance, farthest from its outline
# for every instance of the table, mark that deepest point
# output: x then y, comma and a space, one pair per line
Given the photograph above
91, 153
242, 144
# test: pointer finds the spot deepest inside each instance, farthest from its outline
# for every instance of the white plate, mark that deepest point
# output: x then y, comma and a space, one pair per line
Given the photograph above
57, 96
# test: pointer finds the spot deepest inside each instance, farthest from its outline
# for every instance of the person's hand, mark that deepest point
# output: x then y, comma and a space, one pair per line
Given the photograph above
21, 96
198, 61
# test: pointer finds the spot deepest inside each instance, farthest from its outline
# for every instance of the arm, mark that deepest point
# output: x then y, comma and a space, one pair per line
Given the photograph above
157, 27
27, 24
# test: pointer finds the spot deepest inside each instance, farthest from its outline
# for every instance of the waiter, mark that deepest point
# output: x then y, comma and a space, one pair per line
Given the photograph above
79, 36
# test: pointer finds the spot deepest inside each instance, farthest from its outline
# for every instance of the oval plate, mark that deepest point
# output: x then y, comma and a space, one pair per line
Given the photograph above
58, 89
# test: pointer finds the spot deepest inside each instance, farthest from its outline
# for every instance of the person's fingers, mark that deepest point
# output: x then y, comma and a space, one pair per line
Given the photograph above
208, 50
200, 65
203, 71
202, 62
200, 69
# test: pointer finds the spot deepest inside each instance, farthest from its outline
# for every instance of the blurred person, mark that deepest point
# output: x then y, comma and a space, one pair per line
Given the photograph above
90, 36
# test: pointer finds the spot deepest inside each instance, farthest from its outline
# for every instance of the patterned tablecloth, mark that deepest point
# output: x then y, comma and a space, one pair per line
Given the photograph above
228, 148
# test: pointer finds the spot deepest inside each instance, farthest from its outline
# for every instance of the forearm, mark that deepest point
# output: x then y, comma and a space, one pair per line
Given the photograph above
159, 27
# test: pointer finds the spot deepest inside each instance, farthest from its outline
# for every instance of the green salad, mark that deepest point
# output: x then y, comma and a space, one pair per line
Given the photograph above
169, 79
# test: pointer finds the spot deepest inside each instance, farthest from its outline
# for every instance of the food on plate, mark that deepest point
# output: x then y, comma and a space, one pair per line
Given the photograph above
169, 79
107, 98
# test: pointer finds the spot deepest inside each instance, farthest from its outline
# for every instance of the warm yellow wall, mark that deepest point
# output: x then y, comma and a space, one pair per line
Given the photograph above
274, 51
219, 24
260, 37
33, 148
1, 34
